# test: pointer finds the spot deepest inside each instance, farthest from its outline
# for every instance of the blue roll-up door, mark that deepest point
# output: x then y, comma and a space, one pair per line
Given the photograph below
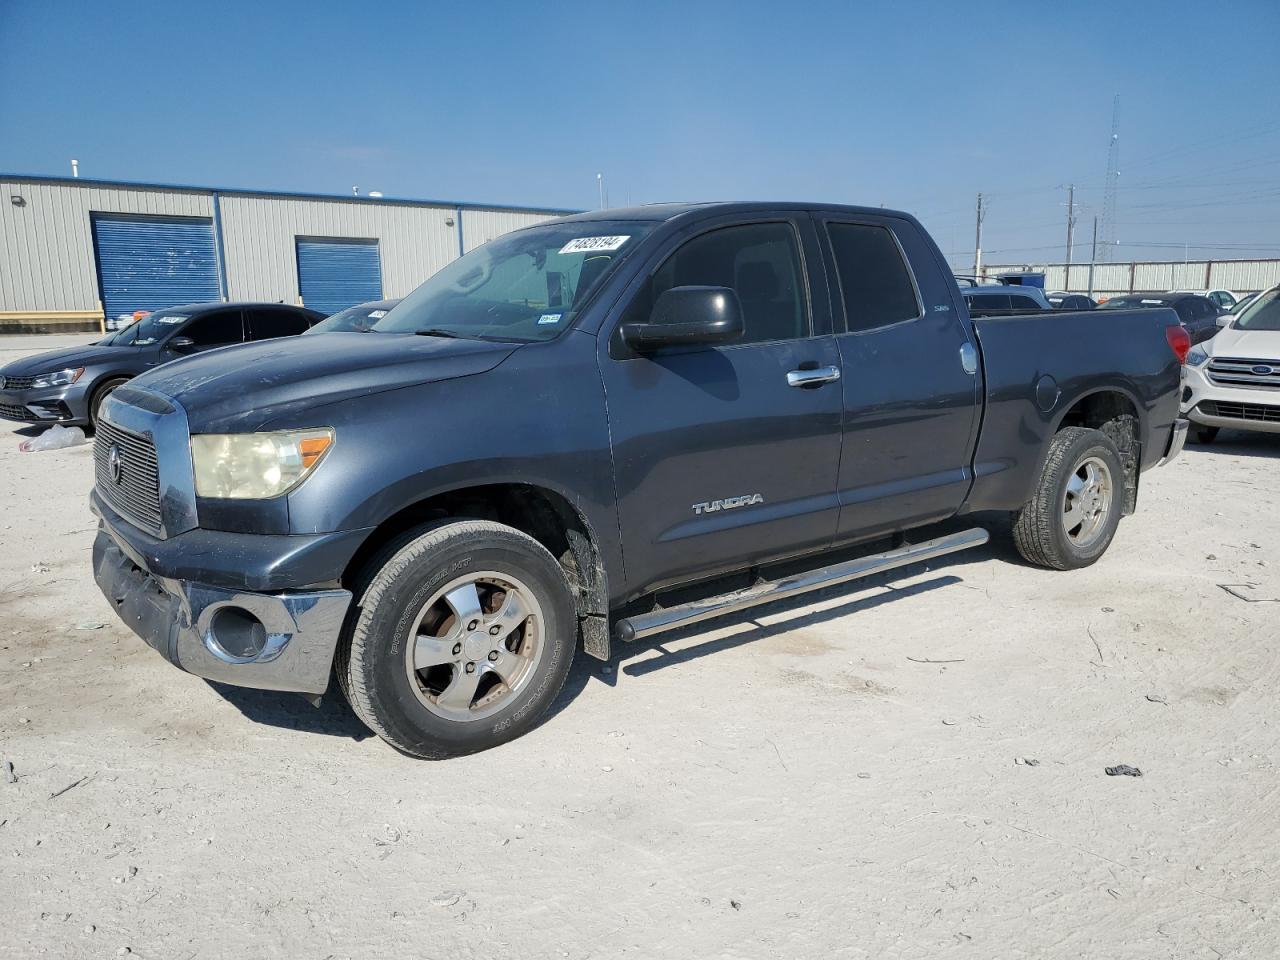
336, 274
149, 263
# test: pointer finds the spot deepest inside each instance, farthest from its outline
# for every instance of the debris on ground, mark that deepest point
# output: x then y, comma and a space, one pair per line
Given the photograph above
55, 438
8, 772
90, 625
1026, 761
924, 660
40, 567
69, 786
1123, 770
1247, 592
736, 904
446, 899
1156, 698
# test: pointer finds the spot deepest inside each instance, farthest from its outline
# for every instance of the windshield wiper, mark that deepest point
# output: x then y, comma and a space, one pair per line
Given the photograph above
438, 332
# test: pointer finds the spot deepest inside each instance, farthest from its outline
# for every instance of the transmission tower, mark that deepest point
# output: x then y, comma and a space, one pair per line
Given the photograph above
1113, 180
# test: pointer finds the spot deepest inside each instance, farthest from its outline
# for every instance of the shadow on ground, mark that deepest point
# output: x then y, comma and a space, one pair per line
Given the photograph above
1238, 443
332, 718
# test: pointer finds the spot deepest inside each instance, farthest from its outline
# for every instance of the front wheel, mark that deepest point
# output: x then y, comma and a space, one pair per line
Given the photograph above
1072, 517
462, 640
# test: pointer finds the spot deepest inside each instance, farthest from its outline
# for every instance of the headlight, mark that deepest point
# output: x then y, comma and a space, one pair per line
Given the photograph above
58, 378
1197, 356
255, 466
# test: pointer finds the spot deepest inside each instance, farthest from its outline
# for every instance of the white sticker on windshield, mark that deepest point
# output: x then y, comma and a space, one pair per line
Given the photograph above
549, 318
594, 244
170, 319
377, 314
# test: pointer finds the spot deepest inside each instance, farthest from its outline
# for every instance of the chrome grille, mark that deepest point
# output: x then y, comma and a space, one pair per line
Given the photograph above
137, 493
16, 383
1241, 411
1243, 372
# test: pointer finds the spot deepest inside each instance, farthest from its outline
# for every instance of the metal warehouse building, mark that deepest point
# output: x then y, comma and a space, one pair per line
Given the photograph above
74, 251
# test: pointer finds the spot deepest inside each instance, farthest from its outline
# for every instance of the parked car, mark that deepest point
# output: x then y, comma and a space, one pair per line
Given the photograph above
1224, 300
69, 386
1197, 314
357, 319
1071, 301
561, 428
1234, 379
1002, 301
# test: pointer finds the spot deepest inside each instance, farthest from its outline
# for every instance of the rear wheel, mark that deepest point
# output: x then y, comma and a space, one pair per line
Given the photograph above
462, 640
1072, 517
1202, 434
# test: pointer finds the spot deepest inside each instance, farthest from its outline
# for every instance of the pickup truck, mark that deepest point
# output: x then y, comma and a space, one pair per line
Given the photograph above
596, 429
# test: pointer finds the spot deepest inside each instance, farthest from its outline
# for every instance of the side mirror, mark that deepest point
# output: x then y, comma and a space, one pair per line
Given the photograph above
1224, 319
688, 316
182, 344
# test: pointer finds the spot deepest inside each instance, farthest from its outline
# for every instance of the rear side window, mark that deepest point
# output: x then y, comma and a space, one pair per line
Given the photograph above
759, 261
988, 301
267, 323
1024, 303
875, 284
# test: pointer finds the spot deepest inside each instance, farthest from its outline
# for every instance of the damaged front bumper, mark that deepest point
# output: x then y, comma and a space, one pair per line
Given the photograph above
278, 640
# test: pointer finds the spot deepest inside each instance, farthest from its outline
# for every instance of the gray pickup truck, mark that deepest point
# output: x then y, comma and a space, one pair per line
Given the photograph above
600, 428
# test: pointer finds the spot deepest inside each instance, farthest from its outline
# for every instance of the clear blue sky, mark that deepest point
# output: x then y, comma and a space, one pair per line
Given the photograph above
912, 105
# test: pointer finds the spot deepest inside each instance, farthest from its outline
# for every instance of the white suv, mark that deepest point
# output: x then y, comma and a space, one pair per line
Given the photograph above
1233, 380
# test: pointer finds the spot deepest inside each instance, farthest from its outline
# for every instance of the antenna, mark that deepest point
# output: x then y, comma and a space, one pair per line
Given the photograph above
1113, 179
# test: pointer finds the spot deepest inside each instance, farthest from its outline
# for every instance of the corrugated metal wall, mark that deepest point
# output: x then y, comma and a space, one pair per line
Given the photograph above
481, 226
1111, 278
46, 245
259, 235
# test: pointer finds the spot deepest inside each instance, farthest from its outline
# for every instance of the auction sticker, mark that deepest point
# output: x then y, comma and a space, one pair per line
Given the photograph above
594, 244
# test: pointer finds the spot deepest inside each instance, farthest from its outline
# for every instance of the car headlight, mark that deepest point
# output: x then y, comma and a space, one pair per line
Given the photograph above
255, 466
1197, 356
58, 378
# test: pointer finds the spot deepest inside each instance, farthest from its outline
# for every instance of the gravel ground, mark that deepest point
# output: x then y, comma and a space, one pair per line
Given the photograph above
906, 767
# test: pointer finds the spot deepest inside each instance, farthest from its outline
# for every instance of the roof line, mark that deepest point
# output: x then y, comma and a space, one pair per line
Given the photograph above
289, 194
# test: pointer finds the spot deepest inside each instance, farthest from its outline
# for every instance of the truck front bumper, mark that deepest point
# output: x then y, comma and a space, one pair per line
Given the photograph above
268, 640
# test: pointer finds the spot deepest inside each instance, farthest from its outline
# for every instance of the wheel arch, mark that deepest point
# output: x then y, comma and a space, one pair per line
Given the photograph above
546, 514
1114, 411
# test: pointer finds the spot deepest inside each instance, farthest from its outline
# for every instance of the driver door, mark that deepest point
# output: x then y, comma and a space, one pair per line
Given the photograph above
722, 460
207, 331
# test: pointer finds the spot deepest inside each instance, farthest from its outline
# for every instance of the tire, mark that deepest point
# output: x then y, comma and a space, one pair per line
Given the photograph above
1201, 434
513, 672
1043, 530
100, 393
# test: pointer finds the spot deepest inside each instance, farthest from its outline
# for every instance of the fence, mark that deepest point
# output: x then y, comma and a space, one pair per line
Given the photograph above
1110, 279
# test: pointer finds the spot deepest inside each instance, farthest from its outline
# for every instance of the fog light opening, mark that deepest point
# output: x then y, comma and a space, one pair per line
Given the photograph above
237, 634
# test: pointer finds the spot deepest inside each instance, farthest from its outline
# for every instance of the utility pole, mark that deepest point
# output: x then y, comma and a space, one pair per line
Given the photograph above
1093, 257
977, 244
1071, 228
600, 184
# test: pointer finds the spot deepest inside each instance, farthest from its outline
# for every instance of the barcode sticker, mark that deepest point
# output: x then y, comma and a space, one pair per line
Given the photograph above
594, 244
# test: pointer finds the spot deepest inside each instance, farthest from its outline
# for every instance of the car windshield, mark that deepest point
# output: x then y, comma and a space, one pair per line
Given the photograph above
359, 319
1262, 314
524, 286
152, 328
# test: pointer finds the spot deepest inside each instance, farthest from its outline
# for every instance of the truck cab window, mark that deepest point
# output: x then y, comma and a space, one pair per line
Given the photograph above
875, 284
759, 261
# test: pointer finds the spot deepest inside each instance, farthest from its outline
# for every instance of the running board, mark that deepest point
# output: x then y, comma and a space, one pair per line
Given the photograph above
670, 618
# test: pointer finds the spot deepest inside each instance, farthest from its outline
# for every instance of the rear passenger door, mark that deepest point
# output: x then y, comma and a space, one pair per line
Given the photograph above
911, 383
267, 323
721, 459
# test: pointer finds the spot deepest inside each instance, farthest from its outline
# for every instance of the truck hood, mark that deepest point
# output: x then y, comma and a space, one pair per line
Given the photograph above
1248, 344
240, 388
70, 357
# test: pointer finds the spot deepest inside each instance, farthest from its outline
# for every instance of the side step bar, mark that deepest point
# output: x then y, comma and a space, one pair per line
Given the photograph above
670, 618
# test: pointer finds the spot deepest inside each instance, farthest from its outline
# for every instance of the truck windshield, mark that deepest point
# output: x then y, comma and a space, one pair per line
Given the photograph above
524, 286
1262, 314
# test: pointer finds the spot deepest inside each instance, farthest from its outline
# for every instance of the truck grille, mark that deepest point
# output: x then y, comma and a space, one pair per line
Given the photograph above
16, 383
136, 495
1243, 372
1241, 411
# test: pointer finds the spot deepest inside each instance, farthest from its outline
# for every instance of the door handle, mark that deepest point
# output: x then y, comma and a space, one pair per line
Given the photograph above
813, 378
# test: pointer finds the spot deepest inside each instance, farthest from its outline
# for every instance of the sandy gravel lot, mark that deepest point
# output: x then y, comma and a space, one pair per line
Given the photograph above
790, 784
